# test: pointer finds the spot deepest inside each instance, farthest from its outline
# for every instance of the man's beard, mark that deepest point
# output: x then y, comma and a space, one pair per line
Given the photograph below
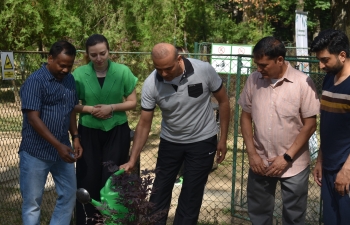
335, 69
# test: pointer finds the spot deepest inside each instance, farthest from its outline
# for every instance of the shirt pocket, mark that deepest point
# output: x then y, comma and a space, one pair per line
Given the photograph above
288, 108
195, 90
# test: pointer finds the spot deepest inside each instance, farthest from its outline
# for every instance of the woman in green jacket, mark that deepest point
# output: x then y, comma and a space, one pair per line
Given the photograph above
106, 90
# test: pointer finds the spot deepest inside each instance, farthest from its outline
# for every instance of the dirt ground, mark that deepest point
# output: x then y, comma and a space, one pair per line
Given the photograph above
217, 204
218, 196
216, 200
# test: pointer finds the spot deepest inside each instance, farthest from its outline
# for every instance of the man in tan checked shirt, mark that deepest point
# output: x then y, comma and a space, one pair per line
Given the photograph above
282, 103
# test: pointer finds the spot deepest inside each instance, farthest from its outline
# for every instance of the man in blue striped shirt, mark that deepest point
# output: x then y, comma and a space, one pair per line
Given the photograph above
48, 98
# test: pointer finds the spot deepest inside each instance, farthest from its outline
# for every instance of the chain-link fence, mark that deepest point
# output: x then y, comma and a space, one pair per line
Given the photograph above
224, 200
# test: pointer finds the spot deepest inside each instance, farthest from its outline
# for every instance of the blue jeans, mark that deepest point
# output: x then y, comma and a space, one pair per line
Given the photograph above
33, 174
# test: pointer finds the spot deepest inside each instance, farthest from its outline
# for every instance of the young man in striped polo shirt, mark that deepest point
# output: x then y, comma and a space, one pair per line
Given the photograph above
332, 170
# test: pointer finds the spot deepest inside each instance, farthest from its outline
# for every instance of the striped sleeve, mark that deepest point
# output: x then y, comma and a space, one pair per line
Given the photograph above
335, 102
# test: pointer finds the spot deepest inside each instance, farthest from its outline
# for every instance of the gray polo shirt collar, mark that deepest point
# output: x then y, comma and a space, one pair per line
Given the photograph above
188, 71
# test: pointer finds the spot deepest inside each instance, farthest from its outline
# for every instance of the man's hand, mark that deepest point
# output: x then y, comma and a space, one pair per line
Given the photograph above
221, 151
102, 111
317, 173
66, 153
342, 181
256, 164
78, 150
277, 166
128, 167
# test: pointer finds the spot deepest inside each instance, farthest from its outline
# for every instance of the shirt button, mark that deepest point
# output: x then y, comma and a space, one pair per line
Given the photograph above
269, 128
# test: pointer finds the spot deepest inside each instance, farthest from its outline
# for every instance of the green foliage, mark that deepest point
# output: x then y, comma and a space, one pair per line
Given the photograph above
280, 15
249, 33
319, 14
137, 25
322, 4
20, 23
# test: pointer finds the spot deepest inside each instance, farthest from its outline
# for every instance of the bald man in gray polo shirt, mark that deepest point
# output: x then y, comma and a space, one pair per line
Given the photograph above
182, 88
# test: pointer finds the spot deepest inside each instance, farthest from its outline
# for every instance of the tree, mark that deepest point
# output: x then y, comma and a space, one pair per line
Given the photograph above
20, 24
137, 26
341, 15
319, 11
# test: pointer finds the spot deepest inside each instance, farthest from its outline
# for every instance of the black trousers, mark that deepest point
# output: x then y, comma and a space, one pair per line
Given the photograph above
335, 207
99, 146
198, 160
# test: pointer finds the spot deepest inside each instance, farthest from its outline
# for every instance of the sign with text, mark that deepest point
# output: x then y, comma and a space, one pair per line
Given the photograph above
227, 63
8, 69
301, 39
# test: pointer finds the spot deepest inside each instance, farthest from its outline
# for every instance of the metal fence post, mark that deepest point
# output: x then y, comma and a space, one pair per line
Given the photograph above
235, 132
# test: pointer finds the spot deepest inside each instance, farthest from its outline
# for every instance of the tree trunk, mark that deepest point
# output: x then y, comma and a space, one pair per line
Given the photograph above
246, 12
341, 15
318, 23
16, 93
300, 5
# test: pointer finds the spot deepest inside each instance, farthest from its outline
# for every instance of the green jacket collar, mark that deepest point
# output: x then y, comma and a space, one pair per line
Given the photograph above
91, 80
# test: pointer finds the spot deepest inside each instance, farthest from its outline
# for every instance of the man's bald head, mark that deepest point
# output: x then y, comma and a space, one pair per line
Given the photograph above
163, 50
168, 63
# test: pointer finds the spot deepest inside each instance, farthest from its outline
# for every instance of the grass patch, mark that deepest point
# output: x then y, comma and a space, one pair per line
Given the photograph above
10, 207
226, 211
11, 203
11, 124
7, 96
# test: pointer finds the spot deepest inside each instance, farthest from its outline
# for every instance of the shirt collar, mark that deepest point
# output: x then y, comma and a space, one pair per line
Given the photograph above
286, 76
92, 70
48, 76
188, 70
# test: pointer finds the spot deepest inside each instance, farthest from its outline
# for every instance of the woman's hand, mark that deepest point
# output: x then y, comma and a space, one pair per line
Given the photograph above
102, 111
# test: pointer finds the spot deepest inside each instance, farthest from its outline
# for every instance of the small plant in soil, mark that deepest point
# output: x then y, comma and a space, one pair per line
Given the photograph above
134, 192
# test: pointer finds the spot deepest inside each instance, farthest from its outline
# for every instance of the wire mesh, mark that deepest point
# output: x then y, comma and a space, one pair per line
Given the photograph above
225, 197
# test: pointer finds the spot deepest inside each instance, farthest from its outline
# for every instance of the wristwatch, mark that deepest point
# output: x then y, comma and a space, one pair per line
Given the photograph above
287, 157
76, 136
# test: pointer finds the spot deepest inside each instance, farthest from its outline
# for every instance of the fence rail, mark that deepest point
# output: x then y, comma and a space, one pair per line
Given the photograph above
224, 201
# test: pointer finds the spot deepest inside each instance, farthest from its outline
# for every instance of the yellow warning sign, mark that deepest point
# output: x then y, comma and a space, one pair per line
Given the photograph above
9, 74
8, 64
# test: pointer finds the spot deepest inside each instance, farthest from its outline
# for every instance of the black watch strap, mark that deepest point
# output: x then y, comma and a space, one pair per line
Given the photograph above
75, 136
287, 157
